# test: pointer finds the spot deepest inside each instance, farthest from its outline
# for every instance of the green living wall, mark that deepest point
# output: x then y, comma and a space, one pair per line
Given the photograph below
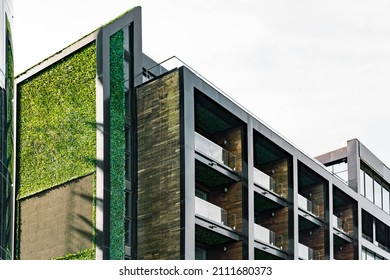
10, 96
57, 123
117, 146
57, 128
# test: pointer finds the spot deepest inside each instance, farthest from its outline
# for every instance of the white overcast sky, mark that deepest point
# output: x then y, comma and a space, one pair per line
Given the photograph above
316, 71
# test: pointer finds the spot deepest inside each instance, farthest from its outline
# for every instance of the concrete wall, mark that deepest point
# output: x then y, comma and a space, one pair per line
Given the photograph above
58, 221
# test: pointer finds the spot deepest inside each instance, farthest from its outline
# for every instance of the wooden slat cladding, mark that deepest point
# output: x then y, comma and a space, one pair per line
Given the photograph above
277, 221
315, 239
231, 140
231, 201
316, 194
278, 170
228, 251
344, 252
345, 214
159, 168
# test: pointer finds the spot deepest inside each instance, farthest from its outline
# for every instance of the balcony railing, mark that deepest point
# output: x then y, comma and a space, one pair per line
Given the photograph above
308, 205
214, 151
210, 211
340, 224
268, 236
263, 180
305, 253
264, 234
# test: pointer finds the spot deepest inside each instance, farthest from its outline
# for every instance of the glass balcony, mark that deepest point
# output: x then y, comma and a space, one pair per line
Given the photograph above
340, 224
214, 151
210, 211
264, 234
308, 205
305, 253
263, 180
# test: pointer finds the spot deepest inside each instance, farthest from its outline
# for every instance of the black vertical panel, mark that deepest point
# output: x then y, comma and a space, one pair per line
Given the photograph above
5, 178
106, 163
245, 191
6, 203
182, 164
131, 108
3, 183
101, 236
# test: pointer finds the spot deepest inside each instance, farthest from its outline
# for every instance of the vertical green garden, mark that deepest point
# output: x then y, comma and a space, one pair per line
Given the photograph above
57, 127
117, 146
57, 123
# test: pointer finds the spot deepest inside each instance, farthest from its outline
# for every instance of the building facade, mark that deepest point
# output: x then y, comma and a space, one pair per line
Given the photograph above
369, 178
121, 158
6, 127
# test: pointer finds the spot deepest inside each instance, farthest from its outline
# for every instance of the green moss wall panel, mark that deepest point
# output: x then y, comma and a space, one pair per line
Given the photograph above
88, 254
57, 123
117, 146
10, 96
158, 139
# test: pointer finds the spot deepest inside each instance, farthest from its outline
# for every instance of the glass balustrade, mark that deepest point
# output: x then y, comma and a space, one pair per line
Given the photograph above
340, 224
308, 205
264, 180
337, 222
264, 234
210, 211
305, 253
214, 151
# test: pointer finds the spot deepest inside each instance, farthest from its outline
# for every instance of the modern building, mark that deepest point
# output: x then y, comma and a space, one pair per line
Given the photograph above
6, 126
369, 206
119, 157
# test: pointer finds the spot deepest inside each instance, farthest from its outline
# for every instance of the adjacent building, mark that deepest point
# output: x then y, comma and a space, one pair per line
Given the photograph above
6, 127
369, 205
119, 157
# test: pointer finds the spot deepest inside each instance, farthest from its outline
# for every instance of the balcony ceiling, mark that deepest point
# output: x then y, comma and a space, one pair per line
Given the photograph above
210, 117
210, 177
267, 152
209, 237
305, 224
263, 204
307, 177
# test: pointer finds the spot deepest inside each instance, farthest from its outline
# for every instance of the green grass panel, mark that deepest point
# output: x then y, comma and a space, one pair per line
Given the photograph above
82, 255
57, 123
117, 146
10, 96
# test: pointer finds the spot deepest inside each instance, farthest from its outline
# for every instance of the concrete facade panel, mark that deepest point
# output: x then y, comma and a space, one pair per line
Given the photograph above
57, 222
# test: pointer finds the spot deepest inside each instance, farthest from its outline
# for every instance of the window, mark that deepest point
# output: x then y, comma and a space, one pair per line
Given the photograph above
127, 231
382, 235
362, 188
367, 226
200, 254
378, 194
386, 201
369, 186
201, 194
340, 170
369, 255
375, 189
